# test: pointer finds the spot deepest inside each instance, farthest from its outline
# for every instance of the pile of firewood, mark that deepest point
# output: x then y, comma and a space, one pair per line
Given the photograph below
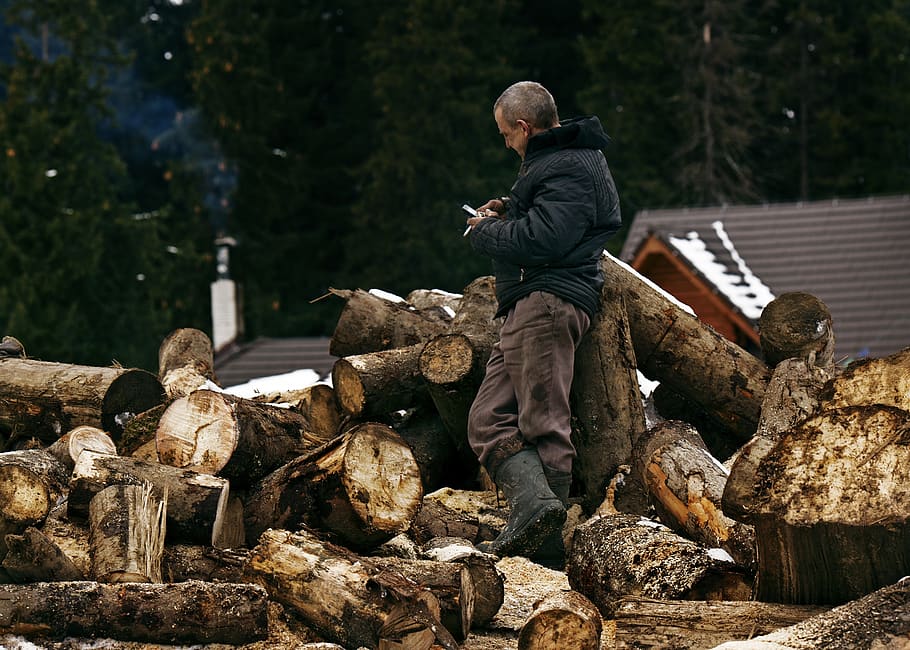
741, 500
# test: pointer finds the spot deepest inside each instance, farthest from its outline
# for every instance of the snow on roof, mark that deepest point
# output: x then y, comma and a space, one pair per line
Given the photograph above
740, 286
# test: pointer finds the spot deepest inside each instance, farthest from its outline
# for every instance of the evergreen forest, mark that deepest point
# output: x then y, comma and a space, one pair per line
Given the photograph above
335, 140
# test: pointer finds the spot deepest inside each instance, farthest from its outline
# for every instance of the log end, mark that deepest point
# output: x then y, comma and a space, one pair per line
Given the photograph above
447, 359
132, 392
349, 389
197, 432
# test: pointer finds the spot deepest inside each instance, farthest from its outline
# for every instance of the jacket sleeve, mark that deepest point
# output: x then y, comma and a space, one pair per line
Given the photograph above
562, 210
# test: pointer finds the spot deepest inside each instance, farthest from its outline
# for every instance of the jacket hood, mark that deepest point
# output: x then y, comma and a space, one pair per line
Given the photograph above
576, 133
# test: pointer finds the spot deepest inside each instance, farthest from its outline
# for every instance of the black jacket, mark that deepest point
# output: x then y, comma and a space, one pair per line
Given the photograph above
562, 210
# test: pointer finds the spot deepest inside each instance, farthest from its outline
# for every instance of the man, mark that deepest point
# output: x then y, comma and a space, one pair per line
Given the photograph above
546, 240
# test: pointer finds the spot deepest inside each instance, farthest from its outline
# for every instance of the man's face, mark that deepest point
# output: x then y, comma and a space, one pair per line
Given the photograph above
515, 135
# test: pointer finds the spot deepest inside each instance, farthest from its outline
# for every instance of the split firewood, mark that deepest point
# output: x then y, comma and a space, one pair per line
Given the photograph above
643, 622
877, 620
674, 347
31, 483
370, 323
183, 613
562, 619
833, 487
374, 384
797, 325
48, 399
317, 403
34, 557
186, 362
138, 437
343, 596
614, 556
685, 484
71, 537
242, 440
364, 487
68, 447
607, 408
196, 501
126, 530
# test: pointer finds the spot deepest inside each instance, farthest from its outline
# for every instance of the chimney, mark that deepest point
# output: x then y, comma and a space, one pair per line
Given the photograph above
227, 324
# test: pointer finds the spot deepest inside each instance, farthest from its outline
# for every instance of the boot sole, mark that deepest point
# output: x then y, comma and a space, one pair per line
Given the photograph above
527, 540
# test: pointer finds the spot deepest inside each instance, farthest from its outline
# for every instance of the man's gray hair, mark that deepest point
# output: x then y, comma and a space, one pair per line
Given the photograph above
529, 101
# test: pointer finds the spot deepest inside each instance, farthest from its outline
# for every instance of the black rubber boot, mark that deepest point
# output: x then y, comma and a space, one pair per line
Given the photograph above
552, 551
534, 511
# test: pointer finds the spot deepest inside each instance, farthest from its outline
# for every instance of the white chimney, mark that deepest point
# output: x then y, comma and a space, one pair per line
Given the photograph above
226, 320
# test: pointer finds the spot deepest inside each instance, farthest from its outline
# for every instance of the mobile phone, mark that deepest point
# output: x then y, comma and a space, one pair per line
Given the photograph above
471, 211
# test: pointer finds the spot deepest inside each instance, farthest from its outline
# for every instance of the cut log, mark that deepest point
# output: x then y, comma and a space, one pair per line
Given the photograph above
345, 597
68, 447
608, 412
878, 620
371, 323
797, 325
364, 487
652, 623
71, 537
317, 403
422, 299
833, 520
884, 380
196, 502
242, 440
791, 397
49, 399
489, 584
184, 562
433, 448
184, 613
138, 437
374, 384
562, 619
618, 555
126, 531
435, 519
34, 557
186, 362
31, 483
685, 484
674, 347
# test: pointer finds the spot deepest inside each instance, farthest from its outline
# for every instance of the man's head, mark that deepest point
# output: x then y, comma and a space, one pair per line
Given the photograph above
523, 110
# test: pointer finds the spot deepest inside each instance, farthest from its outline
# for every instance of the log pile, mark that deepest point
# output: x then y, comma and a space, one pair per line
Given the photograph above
161, 509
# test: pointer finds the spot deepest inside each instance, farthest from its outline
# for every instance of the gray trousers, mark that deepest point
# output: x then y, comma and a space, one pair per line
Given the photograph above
523, 400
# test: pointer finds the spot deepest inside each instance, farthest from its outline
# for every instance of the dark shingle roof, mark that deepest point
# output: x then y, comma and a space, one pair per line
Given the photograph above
854, 255
266, 357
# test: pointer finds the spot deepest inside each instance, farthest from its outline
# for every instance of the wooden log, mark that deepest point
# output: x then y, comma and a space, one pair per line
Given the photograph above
344, 597
186, 362
35, 557
422, 299
883, 380
68, 446
126, 531
371, 323
562, 619
50, 399
686, 484
878, 620
434, 449
184, 562
184, 613
364, 487
832, 497
652, 623
617, 555
242, 440
607, 408
797, 325
374, 384
70, 536
488, 580
674, 347
138, 437
31, 483
196, 502
435, 519
792, 396
317, 403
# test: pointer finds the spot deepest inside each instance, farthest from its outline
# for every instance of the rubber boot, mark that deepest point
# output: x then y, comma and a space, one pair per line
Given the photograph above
534, 511
552, 551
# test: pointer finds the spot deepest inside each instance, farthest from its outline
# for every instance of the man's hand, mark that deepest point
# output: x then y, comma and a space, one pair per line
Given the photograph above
495, 207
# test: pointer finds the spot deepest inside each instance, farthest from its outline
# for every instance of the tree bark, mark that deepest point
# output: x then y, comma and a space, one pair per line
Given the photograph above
316, 403
196, 502
674, 347
185, 362
48, 399
364, 486
68, 446
185, 613
608, 412
126, 530
685, 484
242, 440
651, 623
34, 557
374, 384
138, 437
832, 497
797, 325
618, 555
345, 597
370, 323
878, 620
562, 619
31, 482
